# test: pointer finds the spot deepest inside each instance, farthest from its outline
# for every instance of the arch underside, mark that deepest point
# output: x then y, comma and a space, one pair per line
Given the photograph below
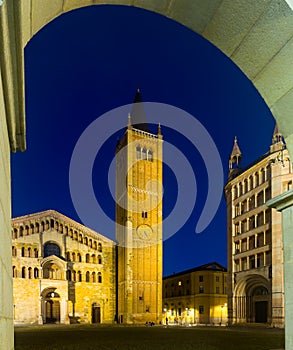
256, 35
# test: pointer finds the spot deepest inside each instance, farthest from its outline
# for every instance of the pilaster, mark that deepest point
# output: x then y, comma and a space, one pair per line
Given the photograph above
284, 204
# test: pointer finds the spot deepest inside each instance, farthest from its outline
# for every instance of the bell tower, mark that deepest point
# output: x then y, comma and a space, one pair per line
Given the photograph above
139, 221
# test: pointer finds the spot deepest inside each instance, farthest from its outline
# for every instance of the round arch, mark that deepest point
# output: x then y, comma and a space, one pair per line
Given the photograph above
256, 36
50, 305
253, 299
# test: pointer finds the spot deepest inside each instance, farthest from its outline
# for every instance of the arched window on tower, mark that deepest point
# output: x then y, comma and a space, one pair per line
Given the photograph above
23, 272
144, 153
150, 155
87, 276
30, 272
14, 271
79, 276
99, 277
99, 247
36, 272
94, 280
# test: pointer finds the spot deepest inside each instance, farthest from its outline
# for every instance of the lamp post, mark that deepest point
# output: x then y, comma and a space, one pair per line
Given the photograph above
166, 319
187, 315
222, 312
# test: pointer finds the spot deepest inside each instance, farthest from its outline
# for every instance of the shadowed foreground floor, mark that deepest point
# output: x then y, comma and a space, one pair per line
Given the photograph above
85, 337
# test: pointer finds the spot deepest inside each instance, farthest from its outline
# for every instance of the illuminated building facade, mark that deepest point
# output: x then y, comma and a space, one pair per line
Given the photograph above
196, 296
255, 244
63, 272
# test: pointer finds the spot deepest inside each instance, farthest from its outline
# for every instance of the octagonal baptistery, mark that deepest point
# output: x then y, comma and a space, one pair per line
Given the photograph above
63, 272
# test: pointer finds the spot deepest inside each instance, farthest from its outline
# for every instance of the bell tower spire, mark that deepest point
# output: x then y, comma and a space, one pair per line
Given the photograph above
235, 159
138, 116
277, 140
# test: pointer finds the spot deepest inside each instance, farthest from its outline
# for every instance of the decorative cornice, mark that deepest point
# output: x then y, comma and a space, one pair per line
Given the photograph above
140, 190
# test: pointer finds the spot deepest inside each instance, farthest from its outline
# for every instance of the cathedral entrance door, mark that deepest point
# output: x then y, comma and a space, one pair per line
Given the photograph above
52, 308
96, 313
261, 311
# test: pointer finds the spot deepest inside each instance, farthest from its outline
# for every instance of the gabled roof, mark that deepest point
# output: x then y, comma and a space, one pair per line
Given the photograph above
25, 219
213, 266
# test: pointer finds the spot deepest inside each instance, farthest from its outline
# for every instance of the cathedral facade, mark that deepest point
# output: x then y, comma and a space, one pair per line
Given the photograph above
255, 244
63, 272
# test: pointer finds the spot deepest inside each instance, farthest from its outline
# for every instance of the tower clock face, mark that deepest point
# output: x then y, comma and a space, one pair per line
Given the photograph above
144, 232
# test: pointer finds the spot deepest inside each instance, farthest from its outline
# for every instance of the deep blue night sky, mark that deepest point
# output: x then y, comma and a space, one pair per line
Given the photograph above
90, 61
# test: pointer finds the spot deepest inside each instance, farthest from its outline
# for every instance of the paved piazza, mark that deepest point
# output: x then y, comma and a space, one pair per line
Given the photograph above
87, 337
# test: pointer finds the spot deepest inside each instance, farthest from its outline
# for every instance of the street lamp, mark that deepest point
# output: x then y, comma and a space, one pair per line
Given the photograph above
222, 312
165, 316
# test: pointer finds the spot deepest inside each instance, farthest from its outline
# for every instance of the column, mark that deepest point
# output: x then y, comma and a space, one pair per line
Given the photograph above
41, 307
64, 312
284, 204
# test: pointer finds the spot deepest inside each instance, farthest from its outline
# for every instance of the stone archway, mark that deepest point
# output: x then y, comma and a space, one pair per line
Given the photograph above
252, 301
257, 36
50, 305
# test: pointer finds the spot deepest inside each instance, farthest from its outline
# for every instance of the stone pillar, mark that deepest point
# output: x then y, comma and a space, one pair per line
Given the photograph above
41, 307
64, 312
6, 289
284, 204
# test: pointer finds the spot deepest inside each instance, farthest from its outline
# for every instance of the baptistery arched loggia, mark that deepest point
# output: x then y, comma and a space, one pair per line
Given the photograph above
256, 35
